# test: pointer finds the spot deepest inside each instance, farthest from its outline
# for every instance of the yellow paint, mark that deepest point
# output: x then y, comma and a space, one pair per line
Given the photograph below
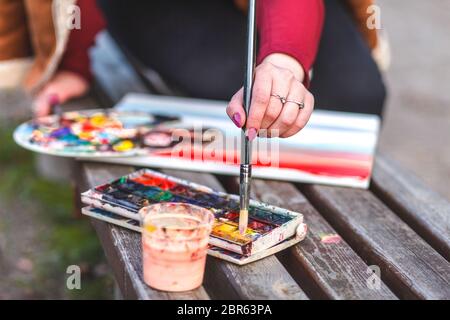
123, 146
150, 228
98, 120
229, 230
85, 136
224, 228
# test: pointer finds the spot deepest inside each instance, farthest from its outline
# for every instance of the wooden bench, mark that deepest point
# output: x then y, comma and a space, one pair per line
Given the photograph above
398, 225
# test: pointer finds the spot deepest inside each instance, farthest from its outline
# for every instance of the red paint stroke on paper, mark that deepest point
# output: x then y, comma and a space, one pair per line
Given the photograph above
332, 164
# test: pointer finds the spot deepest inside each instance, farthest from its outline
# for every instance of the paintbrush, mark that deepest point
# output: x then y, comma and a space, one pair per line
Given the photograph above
55, 106
246, 145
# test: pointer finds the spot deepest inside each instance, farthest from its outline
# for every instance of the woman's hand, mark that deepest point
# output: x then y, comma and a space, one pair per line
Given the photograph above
278, 76
65, 85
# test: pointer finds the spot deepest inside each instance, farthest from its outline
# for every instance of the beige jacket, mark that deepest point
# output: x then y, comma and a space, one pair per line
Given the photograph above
33, 37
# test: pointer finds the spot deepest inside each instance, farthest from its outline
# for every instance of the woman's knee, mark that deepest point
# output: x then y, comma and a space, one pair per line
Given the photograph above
368, 96
362, 93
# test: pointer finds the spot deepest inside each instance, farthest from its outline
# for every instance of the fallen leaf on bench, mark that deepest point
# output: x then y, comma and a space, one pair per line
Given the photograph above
330, 238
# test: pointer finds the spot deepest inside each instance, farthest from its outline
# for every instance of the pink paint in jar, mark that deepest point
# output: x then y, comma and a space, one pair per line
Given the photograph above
174, 245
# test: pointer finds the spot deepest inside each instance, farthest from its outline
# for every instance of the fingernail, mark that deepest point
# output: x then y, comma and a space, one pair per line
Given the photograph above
237, 120
251, 134
53, 100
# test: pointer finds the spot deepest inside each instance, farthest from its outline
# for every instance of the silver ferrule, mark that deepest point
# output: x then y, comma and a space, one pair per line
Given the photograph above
245, 176
246, 149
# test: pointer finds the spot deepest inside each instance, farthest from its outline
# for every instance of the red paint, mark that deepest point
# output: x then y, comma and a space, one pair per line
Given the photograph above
231, 215
88, 127
153, 181
331, 164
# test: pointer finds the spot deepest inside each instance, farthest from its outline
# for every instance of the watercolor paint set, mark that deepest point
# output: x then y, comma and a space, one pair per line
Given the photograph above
214, 251
269, 227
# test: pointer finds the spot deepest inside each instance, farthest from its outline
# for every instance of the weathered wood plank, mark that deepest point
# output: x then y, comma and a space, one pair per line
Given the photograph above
411, 267
123, 247
421, 208
326, 270
263, 279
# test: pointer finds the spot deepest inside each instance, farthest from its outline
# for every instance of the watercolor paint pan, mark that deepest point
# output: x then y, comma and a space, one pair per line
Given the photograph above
214, 251
268, 225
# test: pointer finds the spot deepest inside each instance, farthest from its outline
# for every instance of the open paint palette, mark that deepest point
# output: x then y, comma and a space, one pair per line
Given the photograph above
95, 133
270, 228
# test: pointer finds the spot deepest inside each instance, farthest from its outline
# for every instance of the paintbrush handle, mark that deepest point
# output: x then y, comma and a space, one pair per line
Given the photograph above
246, 146
251, 56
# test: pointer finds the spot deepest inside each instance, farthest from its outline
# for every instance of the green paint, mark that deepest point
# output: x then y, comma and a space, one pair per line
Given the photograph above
164, 196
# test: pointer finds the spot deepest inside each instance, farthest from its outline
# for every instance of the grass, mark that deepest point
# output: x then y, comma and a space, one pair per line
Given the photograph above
65, 240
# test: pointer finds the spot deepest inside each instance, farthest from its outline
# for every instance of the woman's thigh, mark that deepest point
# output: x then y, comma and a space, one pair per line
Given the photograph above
197, 46
345, 77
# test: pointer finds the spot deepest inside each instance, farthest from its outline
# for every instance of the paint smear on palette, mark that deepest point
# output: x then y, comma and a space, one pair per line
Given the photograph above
136, 192
96, 132
331, 238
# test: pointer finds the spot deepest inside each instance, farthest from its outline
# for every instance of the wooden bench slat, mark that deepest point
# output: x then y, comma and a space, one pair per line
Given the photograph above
263, 279
421, 208
123, 247
411, 267
333, 270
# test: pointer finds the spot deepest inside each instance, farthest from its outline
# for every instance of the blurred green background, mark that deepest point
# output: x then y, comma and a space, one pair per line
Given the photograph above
39, 234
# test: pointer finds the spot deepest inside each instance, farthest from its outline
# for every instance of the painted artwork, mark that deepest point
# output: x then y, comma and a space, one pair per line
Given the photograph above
268, 225
335, 148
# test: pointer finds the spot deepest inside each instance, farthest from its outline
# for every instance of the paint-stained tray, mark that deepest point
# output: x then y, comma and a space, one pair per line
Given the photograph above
214, 251
269, 226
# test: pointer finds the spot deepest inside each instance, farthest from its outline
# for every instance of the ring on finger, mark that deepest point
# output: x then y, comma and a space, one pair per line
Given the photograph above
301, 105
281, 98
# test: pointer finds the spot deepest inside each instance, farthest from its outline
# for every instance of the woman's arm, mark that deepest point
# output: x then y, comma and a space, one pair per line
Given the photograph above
76, 57
289, 34
292, 27
73, 76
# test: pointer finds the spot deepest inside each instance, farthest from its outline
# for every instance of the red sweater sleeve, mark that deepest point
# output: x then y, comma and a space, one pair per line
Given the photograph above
292, 27
76, 56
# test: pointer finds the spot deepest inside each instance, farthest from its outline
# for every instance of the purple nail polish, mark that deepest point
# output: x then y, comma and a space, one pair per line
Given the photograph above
53, 100
251, 134
237, 120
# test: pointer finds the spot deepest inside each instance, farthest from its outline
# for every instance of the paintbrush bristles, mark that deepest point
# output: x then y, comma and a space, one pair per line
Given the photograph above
243, 221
